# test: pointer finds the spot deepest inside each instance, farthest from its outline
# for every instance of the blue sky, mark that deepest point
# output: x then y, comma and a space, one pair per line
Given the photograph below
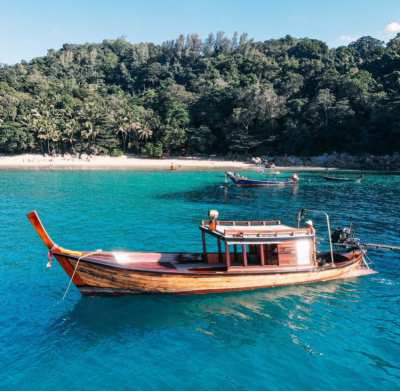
29, 28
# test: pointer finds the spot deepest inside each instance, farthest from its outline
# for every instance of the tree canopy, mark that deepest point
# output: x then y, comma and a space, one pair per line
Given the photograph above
221, 95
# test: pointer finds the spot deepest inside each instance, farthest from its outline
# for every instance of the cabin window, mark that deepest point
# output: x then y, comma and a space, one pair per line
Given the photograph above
243, 255
303, 249
271, 254
254, 255
290, 253
250, 255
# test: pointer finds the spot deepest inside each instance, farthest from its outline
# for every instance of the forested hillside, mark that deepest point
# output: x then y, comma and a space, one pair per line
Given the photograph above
225, 96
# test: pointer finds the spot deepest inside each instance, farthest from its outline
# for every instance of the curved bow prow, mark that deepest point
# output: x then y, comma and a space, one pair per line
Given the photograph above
37, 224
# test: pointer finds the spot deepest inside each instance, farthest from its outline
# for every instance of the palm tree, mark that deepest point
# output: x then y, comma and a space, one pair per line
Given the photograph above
144, 133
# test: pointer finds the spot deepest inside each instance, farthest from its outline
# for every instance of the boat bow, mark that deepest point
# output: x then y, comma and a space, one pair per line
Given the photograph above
34, 218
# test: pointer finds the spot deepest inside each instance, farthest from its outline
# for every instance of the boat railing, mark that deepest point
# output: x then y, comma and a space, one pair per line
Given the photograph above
249, 223
280, 233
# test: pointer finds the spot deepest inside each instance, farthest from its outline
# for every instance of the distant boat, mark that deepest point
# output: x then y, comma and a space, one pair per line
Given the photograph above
242, 181
342, 179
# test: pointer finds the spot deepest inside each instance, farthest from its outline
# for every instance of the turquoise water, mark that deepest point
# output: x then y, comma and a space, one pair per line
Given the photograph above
337, 335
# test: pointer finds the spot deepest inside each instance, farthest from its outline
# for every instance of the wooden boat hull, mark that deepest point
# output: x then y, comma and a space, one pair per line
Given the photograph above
259, 183
99, 279
248, 183
341, 179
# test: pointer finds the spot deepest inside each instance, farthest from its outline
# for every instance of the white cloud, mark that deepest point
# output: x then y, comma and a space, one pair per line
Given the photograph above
346, 39
393, 27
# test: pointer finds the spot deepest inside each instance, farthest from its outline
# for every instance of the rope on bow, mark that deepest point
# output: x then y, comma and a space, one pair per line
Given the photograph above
75, 269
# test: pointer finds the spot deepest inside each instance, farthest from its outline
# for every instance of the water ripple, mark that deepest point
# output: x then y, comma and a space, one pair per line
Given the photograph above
336, 335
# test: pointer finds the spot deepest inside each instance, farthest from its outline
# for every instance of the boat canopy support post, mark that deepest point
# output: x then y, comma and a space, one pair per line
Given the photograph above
227, 255
262, 254
302, 213
245, 258
328, 223
203, 240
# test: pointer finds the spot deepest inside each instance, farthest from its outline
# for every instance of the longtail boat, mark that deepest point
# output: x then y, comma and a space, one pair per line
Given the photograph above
242, 181
251, 255
342, 179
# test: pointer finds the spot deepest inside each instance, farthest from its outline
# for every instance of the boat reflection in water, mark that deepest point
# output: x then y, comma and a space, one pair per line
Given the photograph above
220, 317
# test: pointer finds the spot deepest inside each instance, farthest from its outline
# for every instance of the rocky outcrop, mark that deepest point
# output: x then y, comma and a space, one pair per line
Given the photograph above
341, 160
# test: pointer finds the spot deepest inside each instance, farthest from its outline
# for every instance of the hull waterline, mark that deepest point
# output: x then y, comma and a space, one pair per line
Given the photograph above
95, 279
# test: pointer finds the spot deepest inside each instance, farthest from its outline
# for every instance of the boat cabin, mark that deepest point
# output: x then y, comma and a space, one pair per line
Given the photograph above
258, 244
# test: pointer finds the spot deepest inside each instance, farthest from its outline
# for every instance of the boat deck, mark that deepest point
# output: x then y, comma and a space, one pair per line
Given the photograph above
180, 263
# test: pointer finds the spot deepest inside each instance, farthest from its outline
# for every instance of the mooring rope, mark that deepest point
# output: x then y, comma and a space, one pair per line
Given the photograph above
365, 257
363, 252
75, 269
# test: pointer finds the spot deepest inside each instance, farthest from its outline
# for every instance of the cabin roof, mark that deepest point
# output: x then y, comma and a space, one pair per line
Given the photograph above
251, 230
254, 230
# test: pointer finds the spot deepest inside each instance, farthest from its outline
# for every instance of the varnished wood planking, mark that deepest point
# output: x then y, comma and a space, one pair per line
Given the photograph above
287, 254
100, 277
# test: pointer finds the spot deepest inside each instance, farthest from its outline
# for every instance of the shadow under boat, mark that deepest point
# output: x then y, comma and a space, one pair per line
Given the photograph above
102, 316
215, 194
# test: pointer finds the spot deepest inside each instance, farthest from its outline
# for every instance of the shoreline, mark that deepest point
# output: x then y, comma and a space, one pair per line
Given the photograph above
127, 162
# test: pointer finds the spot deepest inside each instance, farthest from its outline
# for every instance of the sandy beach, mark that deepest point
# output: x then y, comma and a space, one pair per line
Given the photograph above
31, 161
127, 162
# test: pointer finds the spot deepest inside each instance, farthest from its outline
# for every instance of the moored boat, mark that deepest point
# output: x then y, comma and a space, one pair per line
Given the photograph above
242, 181
342, 179
251, 255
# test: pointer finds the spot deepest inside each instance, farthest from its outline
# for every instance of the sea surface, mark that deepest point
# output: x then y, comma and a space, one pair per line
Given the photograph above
342, 335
